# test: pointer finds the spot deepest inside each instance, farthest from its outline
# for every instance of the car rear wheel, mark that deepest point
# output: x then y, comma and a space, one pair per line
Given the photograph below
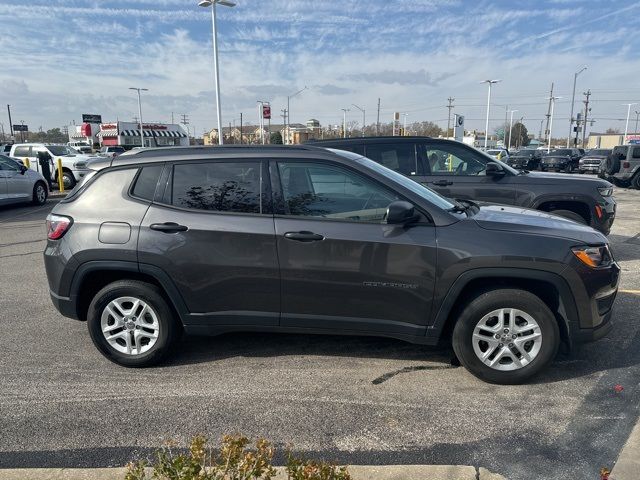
506, 336
131, 324
576, 217
39, 193
69, 180
635, 183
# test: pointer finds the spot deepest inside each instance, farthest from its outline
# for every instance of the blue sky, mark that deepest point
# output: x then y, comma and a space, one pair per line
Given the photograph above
62, 58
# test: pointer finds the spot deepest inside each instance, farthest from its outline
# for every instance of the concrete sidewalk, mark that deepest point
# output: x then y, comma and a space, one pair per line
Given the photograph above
358, 472
628, 465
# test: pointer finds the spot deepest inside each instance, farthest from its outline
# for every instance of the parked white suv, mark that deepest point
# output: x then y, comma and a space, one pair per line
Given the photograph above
82, 147
74, 163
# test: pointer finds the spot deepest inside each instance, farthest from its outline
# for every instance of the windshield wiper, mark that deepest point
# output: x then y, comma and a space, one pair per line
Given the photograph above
523, 172
463, 206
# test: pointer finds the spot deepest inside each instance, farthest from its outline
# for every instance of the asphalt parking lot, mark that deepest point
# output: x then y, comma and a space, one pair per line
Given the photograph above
352, 400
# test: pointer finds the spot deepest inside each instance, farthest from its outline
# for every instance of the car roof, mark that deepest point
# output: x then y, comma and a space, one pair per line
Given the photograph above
173, 154
383, 139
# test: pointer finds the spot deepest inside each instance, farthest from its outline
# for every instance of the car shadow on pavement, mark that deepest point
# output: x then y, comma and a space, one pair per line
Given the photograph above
619, 350
625, 247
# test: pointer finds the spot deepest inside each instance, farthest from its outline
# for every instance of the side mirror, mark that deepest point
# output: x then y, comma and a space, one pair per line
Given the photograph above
494, 170
401, 213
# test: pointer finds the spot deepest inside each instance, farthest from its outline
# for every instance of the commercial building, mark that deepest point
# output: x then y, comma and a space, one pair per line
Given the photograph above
610, 140
86, 133
127, 134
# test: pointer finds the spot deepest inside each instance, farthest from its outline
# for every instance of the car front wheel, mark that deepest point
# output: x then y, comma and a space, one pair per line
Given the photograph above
506, 336
39, 193
131, 324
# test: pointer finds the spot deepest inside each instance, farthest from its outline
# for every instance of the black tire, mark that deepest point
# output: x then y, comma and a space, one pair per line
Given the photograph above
68, 180
568, 168
576, 217
635, 183
169, 328
488, 302
40, 193
612, 164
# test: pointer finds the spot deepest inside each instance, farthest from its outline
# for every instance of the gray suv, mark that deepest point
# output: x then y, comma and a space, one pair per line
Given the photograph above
622, 166
303, 239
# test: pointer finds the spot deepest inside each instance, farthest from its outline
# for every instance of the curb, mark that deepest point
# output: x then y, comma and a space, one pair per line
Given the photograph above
628, 465
358, 472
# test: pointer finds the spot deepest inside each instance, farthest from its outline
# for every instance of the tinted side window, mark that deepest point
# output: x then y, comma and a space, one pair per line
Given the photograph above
359, 149
453, 159
400, 157
147, 182
331, 191
636, 152
218, 186
22, 151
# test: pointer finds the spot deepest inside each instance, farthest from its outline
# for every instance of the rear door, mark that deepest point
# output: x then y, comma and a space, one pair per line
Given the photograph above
342, 267
211, 231
458, 171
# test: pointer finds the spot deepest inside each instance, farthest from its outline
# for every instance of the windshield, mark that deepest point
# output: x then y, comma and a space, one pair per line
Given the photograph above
62, 150
494, 152
525, 153
415, 187
560, 151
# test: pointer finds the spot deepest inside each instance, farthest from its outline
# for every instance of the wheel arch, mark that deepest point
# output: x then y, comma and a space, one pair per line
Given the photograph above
549, 287
577, 204
91, 277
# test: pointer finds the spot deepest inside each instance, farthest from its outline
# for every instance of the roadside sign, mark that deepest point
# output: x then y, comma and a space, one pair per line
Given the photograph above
91, 118
266, 111
21, 128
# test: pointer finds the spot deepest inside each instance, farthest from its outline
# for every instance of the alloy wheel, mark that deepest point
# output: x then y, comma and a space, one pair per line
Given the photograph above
130, 325
41, 193
507, 339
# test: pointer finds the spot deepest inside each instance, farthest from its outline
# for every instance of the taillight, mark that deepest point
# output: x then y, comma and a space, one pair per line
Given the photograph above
626, 164
57, 226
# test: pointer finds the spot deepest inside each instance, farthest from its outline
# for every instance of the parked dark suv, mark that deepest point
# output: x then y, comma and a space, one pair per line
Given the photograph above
525, 159
456, 170
561, 159
309, 240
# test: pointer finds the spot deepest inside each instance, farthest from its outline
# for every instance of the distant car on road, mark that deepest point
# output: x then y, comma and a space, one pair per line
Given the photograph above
561, 159
622, 167
526, 159
209, 240
111, 152
593, 159
82, 147
456, 170
19, 184
501, 154
74, 163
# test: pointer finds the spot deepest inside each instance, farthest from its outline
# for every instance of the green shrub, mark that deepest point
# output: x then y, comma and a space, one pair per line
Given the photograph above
234, 462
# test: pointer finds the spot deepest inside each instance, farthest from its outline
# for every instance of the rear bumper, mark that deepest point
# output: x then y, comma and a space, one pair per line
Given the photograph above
65, 305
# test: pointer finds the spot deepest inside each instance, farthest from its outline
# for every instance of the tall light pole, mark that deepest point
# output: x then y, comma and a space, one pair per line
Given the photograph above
637, 115
573, 99
289, 97
553, 104
626, 125
140, 112
344, 121
486, 127
363, 117
216, 73
510, 128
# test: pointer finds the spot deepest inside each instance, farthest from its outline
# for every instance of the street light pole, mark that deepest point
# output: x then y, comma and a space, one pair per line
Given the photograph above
553, 104
573, 99
626, 125
637, 115
510, 128
212, 4
344, 122
140, 112
363, 117
486, 127
289, 97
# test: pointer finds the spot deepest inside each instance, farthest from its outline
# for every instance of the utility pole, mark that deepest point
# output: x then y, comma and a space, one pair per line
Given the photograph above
504, 133
241, 141
284, 124
10, 123
450, 106
637, 115
378, 120
540, 133
363, 116
344, 122
587, 94
546, 130
573, 99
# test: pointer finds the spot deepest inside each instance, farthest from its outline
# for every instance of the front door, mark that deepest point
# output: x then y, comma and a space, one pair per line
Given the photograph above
17, 184
342, 267
459, 171
212, 233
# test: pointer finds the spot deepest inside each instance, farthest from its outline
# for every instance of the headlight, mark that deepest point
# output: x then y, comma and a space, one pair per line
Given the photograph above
605, 191
80, 165
594, 257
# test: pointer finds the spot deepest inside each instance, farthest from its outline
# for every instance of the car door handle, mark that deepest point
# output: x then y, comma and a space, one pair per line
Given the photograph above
168, 227
304, 236
442, 183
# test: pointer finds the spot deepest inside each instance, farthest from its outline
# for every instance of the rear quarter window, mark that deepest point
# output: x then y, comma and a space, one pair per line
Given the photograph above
146, 182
